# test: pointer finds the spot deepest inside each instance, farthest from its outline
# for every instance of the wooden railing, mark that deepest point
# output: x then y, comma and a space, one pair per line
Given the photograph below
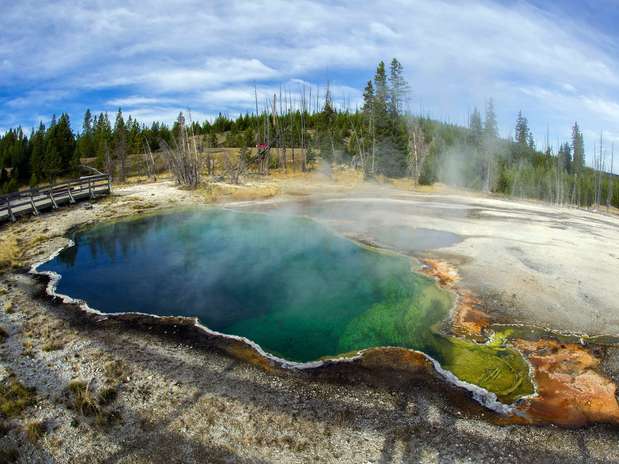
34, 200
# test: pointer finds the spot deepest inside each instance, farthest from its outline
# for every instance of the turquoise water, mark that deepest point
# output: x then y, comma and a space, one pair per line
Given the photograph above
289, 284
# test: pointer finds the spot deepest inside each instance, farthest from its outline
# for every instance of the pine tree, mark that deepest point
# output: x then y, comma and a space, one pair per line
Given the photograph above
18, 156
37, 155
4, 180
380, 98
85, 142
565, 157
53, 159
65, 142
578, 149
398, 89
522, 129
389, 133
530, 141
135, 135
101, 139
490, 136
211, 139
326, 128
120, 144
491, 128
368, 99
475, 128
369, 118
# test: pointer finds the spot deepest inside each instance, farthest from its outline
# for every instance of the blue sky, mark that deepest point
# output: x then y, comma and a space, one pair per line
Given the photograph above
557, 61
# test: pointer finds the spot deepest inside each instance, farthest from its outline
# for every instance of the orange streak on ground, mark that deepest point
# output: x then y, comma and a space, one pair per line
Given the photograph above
570, 390
396, 358
467, 319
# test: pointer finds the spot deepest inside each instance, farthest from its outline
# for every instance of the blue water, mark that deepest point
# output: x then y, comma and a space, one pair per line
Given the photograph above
287, 283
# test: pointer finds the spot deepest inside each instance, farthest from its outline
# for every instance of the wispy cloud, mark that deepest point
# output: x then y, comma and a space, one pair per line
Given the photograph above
215, 72
151, 57
135, 100
35, 97
148, 115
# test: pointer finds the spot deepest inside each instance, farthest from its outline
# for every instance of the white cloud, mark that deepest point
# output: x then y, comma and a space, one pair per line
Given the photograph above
217, 71
136, 100
36, 97
168, 115
150, 55
608, 109
243, 98
382, 30
168, 78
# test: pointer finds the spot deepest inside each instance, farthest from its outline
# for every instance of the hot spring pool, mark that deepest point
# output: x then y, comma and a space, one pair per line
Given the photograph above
287, 283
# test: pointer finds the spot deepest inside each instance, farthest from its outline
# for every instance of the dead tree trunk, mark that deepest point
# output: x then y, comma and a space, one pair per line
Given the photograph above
417, 151
303, 152
182, 158
609, 194
149, 161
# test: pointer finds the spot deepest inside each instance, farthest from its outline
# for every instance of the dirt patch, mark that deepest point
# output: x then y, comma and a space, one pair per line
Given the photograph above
221, 193
467, 319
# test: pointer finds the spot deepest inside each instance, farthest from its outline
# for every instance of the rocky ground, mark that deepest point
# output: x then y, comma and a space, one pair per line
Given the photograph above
78, 388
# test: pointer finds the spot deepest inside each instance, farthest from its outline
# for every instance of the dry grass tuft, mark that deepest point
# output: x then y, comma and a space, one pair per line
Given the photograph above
107, 395
115, 372
107, 418
35, 430
347, 176
216, 192
89, 404
8, 307
15, 397
27, 348
13, 247
144, 205
53, 345
38, 239
407, 183
10, 252
84, 400
48, 333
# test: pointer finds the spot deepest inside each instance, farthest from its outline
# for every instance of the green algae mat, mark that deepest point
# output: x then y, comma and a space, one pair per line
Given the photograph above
286, 283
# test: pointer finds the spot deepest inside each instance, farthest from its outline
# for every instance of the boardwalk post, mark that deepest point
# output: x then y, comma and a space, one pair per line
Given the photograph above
8, 202
51, 197
71, 199
92, 195
35, 211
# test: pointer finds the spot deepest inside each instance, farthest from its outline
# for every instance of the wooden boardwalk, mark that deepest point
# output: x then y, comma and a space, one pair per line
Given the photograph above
35, 200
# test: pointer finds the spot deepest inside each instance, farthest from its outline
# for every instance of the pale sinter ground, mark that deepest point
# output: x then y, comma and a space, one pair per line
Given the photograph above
180, 403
